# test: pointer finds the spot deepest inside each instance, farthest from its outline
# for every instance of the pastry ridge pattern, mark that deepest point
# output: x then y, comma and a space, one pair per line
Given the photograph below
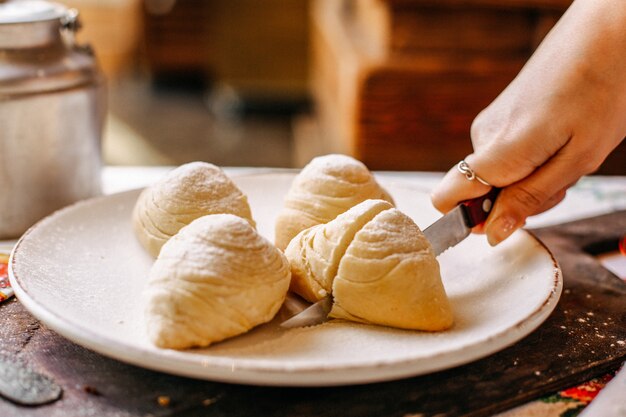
328, 186
186, 193
215, 279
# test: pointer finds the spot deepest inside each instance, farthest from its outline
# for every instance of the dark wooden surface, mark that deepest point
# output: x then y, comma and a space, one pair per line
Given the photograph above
577, 342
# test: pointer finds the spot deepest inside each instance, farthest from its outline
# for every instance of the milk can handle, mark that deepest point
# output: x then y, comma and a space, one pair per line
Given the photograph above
70, 24
70, 21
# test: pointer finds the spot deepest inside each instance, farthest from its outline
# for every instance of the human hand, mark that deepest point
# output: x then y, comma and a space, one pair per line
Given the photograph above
557, 121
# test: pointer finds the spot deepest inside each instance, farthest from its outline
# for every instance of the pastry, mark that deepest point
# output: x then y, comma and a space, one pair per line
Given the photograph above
376, 264
190, 191
216, 278
328, 186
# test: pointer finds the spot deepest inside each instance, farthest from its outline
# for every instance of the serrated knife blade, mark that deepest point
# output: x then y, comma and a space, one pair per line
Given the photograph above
457, 224
448, 231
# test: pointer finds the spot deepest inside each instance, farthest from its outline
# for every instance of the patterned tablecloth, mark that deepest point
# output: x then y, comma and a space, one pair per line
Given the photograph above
590, 197
5, 287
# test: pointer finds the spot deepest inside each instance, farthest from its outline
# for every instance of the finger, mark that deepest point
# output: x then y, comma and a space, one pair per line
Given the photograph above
552, 201
454, 188
531, 195
499, 165
480, 229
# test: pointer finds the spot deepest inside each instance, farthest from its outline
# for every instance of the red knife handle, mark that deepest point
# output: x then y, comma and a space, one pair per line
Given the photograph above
477, 209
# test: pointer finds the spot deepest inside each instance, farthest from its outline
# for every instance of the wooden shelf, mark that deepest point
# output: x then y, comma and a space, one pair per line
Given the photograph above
398, 83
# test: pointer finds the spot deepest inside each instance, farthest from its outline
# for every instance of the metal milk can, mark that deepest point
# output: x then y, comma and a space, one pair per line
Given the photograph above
52, 108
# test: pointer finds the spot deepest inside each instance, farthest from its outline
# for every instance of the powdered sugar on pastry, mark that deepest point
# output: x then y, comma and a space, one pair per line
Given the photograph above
190, 191
315, 253
215, 279
328, 186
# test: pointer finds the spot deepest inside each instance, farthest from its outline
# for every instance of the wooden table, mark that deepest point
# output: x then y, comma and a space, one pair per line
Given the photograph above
561, 353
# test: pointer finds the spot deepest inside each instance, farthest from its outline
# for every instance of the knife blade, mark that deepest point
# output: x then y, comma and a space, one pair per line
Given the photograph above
446, 232
457, 224
23, 385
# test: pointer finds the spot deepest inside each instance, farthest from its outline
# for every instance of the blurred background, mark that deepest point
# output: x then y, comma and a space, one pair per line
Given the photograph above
394, 83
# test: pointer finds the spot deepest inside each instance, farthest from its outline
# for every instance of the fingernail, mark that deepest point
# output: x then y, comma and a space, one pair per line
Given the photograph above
500, 228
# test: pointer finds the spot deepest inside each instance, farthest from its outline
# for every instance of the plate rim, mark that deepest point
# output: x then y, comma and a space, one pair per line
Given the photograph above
259, 372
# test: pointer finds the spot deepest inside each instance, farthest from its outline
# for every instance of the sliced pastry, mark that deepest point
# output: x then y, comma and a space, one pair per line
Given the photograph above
376, 264
190, 191
328, 186
216, 278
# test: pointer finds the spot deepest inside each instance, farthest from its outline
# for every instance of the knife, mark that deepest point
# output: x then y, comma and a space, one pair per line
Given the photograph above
23, 385
446, 232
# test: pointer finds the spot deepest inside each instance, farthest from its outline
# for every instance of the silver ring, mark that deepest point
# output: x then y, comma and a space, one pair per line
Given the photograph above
469, 173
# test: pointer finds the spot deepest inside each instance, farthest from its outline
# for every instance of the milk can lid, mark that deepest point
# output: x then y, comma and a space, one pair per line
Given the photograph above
24, 11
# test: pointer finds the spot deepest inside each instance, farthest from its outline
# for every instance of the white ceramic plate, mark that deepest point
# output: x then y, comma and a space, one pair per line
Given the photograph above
81, 272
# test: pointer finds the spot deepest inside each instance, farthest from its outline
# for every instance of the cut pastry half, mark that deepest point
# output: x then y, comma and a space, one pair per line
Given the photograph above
377, 265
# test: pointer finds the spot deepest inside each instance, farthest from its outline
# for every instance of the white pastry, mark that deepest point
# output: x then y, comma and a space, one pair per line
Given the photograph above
215, 279
190, 191
328, 186
377, 265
